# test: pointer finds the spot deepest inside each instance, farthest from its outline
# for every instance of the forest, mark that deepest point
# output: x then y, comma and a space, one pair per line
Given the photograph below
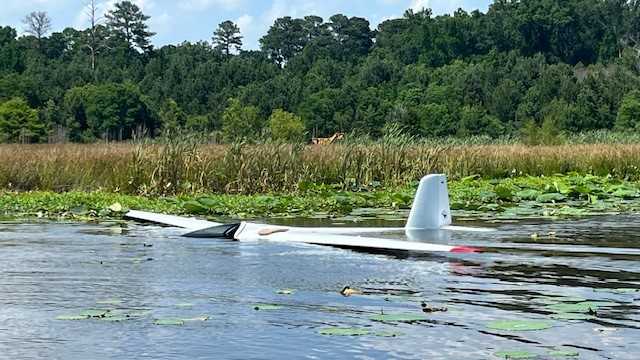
523, 67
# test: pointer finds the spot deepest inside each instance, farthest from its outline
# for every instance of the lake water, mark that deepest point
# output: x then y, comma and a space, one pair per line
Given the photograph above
51, 270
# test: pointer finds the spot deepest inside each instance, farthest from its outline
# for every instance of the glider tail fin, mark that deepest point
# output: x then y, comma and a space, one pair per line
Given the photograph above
430, 210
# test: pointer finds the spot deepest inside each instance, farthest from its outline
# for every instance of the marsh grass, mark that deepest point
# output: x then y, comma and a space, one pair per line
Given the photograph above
185, 166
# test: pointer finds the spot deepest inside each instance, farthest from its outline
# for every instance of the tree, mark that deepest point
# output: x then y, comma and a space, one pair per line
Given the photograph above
129, 24
19, 122
286, 126
110, 112
95, 38
171, 116
629, 112
240, 122
285, 39
37, 24
227, 37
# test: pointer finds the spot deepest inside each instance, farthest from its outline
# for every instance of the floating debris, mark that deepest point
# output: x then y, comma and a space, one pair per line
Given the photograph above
286, 292
432, 309
562, 352
349, 291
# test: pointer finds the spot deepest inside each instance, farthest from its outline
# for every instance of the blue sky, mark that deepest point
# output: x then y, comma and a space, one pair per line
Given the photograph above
193, 20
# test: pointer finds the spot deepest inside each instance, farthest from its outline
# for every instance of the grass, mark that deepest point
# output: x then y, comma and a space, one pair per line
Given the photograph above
186, 167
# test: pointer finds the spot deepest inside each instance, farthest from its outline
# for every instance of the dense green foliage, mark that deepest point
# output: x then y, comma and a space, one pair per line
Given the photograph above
471, 198
557, 66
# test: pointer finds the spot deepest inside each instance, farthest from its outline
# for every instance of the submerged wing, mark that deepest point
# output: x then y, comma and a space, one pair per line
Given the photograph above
254, 232
170, 220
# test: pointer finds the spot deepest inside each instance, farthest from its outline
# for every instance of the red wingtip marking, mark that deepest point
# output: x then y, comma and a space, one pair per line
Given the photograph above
465, 250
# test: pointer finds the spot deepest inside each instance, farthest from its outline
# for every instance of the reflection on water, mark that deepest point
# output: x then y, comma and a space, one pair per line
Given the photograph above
48, 270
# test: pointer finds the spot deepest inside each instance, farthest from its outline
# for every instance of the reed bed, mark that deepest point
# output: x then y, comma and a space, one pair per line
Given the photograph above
187, 167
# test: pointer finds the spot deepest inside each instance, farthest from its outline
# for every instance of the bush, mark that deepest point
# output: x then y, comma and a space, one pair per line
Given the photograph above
286, 126
240, 122
629, 112
19, 122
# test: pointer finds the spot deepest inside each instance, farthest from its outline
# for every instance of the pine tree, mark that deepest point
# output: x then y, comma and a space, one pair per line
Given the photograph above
128, 23
226, 37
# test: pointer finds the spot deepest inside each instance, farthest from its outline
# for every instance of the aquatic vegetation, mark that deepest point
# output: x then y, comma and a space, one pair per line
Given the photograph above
71, 317
169, 322
569, 195
186, 168
267, 307
572, 316
520, 325
515, 354
563, 352
581, 307
334, 331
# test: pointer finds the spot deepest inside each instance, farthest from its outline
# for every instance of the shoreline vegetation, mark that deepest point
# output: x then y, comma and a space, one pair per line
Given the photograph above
349, 182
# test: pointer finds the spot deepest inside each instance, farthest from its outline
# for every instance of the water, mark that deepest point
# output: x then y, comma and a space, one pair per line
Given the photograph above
48, 270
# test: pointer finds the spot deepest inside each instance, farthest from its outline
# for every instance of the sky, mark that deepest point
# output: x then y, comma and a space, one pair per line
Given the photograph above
194, 20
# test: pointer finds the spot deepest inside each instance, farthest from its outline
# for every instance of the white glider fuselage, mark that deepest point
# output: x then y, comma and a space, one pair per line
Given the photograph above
429, 220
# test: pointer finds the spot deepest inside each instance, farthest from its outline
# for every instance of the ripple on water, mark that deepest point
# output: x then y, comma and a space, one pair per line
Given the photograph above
50, 270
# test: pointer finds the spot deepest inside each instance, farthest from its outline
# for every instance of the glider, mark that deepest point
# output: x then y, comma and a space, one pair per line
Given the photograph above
429, 220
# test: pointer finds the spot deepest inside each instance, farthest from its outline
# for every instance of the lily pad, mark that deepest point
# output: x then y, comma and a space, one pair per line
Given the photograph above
572, 316
262, 307
176, 322
564, 353
71, 317
548, 198
398, 317
520, 325
94, 313
581, 307
117, 207
515, 354
344, 332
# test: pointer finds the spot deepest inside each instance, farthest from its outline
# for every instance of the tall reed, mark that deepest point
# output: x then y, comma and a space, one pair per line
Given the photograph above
187, 166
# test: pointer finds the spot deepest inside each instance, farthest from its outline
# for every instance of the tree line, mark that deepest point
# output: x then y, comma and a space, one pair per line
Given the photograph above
524, 66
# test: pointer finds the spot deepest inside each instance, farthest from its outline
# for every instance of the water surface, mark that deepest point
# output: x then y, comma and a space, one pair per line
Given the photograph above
52, 269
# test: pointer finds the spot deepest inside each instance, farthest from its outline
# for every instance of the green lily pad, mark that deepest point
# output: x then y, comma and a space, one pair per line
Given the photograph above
71, 317
344, 332
515, 354
286, 292
94, 313
572, 316
547, 198
520, 325
398, 317
177, 322
564, 353
262, 307
581, 307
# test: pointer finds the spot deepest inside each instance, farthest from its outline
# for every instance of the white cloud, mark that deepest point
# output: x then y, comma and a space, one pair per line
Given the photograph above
205, 4
438, 7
